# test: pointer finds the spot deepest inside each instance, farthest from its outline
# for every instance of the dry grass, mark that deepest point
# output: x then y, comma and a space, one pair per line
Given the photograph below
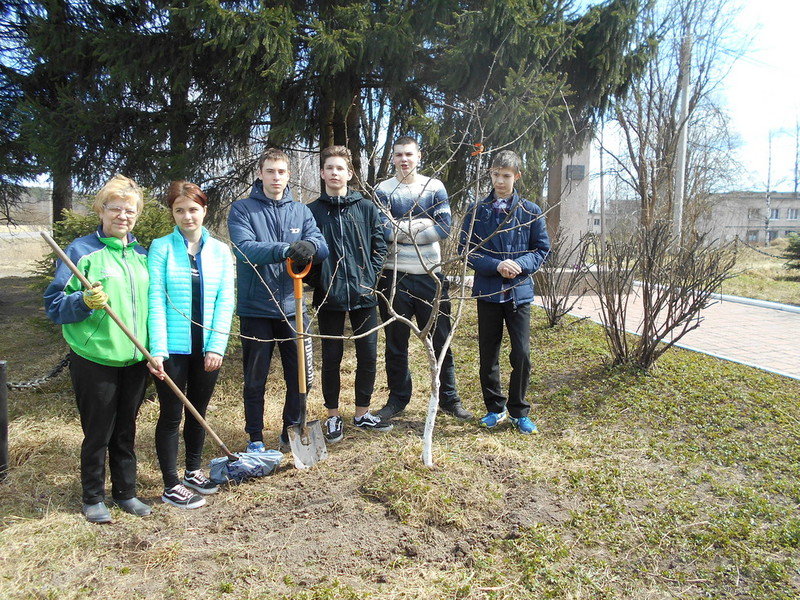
20, 248
761, 274
680, 484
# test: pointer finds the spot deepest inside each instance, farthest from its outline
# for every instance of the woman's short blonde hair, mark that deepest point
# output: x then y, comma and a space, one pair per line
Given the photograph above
118, 187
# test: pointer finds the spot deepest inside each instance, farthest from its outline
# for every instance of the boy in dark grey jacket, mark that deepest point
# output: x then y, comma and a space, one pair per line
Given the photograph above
345, 283
505, 240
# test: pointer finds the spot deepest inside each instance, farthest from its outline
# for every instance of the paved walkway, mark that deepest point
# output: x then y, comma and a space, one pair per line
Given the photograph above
765, 335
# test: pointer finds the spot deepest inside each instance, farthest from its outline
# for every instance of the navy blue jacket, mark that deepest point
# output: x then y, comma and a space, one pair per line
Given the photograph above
261, 230
490, 237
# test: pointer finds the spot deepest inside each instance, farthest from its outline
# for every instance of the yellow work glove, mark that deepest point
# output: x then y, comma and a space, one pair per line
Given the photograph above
95, 298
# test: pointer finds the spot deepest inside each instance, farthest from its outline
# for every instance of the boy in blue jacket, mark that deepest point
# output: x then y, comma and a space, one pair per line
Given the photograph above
265, 230
505, 240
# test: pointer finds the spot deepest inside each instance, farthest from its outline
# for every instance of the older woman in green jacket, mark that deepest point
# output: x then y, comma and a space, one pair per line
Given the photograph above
108, 373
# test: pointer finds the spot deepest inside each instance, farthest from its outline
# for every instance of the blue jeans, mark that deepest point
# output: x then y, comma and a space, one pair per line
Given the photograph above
413, 299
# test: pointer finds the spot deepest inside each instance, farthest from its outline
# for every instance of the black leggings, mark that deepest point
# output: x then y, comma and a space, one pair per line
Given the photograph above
188, 373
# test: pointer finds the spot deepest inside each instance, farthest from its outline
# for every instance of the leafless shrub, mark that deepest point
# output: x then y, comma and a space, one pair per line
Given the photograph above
675, 286
562, 281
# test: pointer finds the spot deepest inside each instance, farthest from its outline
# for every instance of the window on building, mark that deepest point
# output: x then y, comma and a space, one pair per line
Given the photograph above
597, 222
752, 235
793, 214
753, 213
773, 235
774, 213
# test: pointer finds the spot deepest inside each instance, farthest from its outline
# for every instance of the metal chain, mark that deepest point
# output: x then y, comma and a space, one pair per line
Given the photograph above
34, 384
759, 250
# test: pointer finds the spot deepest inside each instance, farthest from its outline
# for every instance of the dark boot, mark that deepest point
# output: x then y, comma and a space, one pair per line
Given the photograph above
456, 409
392, 409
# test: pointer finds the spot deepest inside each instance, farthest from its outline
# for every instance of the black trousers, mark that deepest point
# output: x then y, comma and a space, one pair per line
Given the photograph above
413, 299
108, 400
257, 356
188, 373
491, 317
331, 322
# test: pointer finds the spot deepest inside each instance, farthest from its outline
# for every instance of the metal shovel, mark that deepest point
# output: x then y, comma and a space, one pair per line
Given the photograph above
306, 439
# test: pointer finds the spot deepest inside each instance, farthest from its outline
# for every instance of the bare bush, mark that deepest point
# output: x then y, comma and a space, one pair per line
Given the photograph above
675, 286
562, 281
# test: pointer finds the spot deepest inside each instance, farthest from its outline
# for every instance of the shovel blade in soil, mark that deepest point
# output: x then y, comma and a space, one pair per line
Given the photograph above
308, 444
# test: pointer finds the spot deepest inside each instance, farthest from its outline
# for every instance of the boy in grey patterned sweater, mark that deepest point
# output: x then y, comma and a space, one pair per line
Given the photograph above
416, 215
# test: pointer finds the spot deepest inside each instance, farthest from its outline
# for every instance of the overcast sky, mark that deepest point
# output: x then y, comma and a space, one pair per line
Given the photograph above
762, 92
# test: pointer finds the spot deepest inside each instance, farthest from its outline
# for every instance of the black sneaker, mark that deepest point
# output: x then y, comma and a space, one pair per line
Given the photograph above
391, 409
370, 421
456, 409
182, 497
283, 443
334, 429
199, 482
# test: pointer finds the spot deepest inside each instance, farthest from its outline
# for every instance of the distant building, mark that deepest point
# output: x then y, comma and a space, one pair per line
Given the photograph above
729, 216
593, 222
751, 216
622, 216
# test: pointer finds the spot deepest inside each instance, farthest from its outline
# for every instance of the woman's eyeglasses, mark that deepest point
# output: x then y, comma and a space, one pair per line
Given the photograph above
119, 211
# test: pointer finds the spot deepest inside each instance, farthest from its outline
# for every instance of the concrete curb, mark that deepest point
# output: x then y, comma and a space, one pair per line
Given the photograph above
759, 303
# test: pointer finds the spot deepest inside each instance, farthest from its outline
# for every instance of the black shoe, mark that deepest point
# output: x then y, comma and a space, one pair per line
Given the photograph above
97, 513
134, 506
182, 497
334, 429
370, 421
392, 409
199, 482
457, 410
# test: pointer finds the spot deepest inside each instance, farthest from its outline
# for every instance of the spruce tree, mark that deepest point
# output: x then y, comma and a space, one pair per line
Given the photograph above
157, 90
200, 80
792, 252
51, 65
16, 163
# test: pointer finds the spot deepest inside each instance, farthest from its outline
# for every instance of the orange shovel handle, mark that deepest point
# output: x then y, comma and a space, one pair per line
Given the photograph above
298, 278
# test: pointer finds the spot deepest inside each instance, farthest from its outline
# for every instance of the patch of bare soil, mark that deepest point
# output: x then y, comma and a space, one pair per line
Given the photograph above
297, 530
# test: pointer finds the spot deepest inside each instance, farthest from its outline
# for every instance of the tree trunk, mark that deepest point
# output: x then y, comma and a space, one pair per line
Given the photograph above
353, 127
62, 192
554, 186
